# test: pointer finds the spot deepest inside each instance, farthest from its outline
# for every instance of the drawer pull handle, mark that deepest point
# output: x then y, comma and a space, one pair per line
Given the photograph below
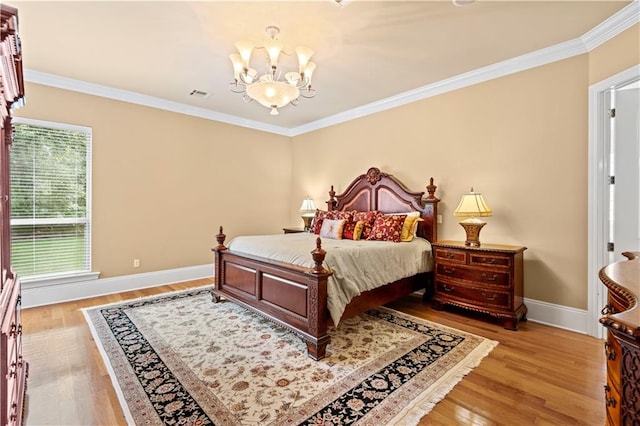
489, 298
13, 329
448, 270
488, 260
14, 412
609, 351
449, 255
608, 310
609, 401
489, 278
14, 370
449, 289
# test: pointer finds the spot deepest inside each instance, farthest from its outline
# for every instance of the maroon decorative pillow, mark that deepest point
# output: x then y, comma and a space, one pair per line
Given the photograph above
368, 218
333, 215
352, 230
317, 221
347, 216
387, 228
347, 231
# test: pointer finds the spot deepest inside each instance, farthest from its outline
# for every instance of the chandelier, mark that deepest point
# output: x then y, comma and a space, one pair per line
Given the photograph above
269, 89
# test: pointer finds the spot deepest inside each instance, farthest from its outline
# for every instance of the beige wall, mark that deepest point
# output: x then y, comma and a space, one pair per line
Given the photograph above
521, 140
163, 182
619, 54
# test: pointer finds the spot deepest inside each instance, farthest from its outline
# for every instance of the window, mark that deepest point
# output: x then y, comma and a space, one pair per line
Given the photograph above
50, 199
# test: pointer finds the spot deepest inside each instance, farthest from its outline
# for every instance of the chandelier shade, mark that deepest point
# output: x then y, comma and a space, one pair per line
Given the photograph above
270, 89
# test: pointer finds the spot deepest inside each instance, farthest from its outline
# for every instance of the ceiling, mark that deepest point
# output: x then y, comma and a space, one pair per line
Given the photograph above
366, 51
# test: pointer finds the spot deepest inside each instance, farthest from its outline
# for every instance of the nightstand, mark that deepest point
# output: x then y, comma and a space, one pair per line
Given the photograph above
488, 279
293, 230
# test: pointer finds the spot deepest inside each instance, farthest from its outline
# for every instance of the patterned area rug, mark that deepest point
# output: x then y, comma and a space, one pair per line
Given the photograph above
181, 359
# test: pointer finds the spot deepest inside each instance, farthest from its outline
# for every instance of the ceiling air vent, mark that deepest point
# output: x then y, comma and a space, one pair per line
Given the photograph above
198, 94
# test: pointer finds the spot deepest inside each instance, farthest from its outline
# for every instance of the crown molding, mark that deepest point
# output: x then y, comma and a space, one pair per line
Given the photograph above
612, 26
490, 72
66, 83
605, 31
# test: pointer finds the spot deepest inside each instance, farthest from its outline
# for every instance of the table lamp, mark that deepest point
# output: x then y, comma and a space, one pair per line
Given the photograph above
472, 207
308, 212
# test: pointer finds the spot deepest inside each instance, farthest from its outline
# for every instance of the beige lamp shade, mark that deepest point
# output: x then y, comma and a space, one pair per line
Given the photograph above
471, 207
308, 206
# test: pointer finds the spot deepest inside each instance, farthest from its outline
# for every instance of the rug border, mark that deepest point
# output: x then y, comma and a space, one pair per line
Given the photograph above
411, 414
105, 358
112, 374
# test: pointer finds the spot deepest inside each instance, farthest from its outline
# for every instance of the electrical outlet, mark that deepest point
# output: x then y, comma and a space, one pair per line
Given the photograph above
136, 263
439, 218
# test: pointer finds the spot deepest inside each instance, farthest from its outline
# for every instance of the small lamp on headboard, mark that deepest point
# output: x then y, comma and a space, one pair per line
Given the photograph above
308, 212
471, 207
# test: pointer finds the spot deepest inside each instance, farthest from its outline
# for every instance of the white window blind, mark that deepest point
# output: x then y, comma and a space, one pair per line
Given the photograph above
50, 199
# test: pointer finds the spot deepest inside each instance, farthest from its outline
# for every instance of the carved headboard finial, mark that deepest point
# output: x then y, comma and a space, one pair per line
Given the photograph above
431, 189
374, 175
332, 202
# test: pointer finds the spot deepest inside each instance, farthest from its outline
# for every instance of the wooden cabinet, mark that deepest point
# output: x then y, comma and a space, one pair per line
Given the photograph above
13, 368
622, 347
488, 279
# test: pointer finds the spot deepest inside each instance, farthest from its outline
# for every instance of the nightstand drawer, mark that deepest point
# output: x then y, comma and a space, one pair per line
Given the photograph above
613, 352
451, 255
474, 296
490, 259
487, 278
476, 275
612, 403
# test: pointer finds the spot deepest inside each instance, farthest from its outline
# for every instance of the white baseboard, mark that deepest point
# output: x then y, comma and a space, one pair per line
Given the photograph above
541, 312
39, 296
560, 316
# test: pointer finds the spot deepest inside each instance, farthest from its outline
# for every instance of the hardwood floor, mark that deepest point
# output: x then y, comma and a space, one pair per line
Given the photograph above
539, 375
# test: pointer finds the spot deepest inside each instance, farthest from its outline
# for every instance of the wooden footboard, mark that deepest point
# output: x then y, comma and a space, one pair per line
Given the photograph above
296, 297
289, 295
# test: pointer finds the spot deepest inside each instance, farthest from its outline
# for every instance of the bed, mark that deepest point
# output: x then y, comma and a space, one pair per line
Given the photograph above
296, 296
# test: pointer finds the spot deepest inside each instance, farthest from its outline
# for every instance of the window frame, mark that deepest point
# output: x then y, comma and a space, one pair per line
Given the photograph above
58, 278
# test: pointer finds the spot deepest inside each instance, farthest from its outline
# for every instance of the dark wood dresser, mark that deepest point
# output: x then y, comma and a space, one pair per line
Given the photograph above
622, 348
13, 368
488, 279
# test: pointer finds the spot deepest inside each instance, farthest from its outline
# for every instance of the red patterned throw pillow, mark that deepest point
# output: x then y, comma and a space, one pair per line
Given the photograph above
368, 219
321, 215
387, 228
317, 221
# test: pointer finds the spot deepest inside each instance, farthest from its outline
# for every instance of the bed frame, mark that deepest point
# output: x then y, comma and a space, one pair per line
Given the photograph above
296, 297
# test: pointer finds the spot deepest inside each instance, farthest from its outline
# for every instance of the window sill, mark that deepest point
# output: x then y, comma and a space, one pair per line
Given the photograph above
54, 280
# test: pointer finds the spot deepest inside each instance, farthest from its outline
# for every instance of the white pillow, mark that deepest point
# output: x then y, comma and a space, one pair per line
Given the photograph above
332, 228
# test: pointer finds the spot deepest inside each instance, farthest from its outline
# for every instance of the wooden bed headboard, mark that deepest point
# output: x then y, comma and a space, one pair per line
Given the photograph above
376, 190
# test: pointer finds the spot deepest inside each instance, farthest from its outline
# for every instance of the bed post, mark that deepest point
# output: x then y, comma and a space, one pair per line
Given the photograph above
332, 203
318, 256
217, 268
431, 211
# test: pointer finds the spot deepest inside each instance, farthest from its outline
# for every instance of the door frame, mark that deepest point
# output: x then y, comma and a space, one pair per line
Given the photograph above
598, 188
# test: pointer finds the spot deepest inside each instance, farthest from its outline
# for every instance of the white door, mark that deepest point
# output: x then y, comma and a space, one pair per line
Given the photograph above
626, 169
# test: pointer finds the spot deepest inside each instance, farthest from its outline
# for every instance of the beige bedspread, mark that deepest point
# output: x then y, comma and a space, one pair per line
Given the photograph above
357, 265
